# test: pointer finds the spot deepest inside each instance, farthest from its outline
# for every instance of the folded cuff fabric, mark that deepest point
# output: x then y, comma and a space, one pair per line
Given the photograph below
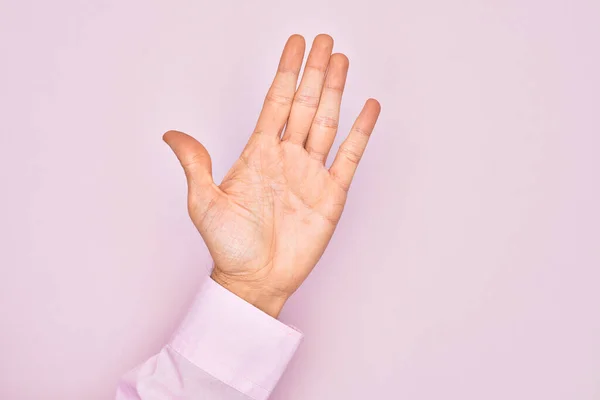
223, 337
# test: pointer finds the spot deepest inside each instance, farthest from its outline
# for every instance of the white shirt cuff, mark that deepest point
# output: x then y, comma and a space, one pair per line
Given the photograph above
235, 342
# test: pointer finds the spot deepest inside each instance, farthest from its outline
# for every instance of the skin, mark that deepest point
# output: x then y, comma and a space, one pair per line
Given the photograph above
268, 223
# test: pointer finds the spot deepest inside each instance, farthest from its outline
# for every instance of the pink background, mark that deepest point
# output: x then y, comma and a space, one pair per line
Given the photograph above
467, 264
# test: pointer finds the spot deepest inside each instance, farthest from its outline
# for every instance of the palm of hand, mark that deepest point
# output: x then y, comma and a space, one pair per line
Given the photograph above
278, 213
269, 221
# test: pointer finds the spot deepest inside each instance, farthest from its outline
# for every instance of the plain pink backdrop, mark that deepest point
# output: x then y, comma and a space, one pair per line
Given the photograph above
467, 264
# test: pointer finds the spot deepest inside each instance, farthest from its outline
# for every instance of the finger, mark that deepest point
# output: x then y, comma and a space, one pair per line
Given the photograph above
278, 101
324, 125
351, 150
196, 164
308, 94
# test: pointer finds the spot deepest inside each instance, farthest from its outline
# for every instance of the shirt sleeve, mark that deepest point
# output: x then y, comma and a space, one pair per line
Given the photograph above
225, 349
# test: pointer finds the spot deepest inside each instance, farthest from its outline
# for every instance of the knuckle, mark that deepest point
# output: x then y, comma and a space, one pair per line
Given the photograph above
307, 100
295, 136
345, 186
285, 71
362, 131
316, 154
337, 89
193, 161
276, 97
324, 121
316, 68
352, 155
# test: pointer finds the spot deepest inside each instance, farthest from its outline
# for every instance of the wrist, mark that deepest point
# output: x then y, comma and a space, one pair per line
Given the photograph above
260, 297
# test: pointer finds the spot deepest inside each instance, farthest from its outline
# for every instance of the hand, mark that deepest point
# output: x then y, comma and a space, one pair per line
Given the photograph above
268, 223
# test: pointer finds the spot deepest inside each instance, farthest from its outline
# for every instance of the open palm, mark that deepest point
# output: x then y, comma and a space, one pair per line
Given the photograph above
268, 223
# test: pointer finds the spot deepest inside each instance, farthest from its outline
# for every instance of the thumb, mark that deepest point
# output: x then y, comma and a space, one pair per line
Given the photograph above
193, 157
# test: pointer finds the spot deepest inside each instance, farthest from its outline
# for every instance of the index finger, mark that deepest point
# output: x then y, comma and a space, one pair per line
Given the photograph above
278, 101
